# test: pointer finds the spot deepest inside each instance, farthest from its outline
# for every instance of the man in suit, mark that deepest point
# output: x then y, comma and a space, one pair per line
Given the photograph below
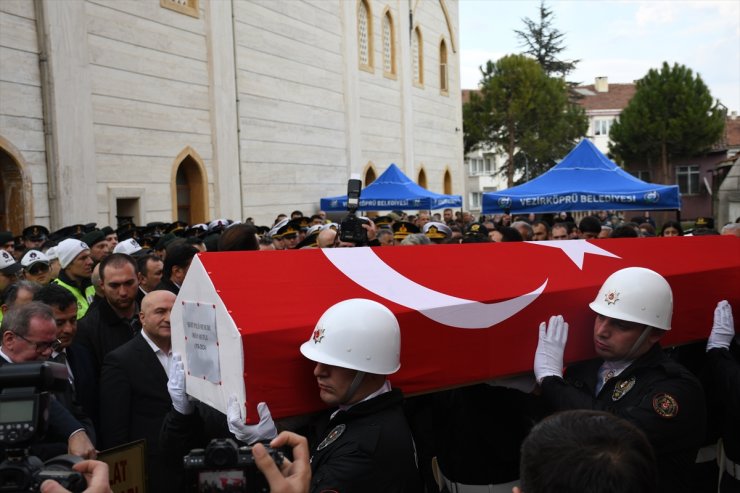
133, 391
176, 265
30, 334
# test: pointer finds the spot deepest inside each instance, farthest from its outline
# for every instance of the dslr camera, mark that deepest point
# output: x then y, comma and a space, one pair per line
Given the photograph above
225, 466
24, 403
350, 229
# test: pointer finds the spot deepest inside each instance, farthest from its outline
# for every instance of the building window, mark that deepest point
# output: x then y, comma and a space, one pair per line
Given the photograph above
417, 51
443, 81
369, 176
187, 7
422, 181
481, 166
687, 178
447, 182
601, 127
642, 174
389, 46
475, 200
365, 35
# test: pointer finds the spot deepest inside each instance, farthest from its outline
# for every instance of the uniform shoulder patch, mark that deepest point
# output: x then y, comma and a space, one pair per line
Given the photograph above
665, 405
332, 436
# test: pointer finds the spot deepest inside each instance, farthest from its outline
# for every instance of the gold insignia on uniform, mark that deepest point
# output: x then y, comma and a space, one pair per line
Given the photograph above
611, 297
622, 387
403, 229
665, 405
332, 436
432, 230
318, 334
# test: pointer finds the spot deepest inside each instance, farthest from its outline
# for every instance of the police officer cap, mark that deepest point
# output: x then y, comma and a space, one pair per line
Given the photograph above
164, 241
6, 237
404, 228
436, 231
704, 222
198, 230
35, 233
218, 225
383, 222
289, 229
476, 229
90, 227
274, 231
8, 265
32, 257
310, 241
75, 231
93, 237
107, 230
177, 228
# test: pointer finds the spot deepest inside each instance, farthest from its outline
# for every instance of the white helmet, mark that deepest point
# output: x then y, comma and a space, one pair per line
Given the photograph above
636, 294
357, 334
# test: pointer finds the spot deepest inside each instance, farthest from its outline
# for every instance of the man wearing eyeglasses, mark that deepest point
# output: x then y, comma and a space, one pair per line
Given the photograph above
30, 334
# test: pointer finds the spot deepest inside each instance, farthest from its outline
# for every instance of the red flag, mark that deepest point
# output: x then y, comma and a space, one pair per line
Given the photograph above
467, 312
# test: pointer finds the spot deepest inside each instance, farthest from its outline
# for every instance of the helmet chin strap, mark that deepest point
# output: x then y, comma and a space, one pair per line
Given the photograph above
639, 342
356, 382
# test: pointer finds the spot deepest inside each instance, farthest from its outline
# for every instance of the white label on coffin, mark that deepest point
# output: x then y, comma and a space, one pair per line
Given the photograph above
201, 343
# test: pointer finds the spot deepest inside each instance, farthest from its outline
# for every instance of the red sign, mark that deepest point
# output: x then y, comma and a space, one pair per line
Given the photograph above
467, 312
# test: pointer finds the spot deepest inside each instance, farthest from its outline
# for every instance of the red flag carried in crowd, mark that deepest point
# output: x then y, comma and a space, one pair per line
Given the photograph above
467, 312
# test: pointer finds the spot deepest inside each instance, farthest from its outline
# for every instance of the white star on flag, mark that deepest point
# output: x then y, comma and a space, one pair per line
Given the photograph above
575, 249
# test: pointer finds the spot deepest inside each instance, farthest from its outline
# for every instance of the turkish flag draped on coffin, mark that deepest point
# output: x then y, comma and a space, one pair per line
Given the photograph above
467, 312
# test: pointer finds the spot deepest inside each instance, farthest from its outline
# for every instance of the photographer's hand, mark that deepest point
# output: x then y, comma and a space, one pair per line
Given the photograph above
292, 477
79, 444
96, 474
372, 231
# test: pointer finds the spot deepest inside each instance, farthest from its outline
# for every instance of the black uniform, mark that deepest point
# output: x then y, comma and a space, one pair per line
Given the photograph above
723, 368
101, 331
367, 448
656, 394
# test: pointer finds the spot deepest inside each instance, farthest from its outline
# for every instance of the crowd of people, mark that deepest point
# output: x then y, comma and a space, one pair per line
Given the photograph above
98, 301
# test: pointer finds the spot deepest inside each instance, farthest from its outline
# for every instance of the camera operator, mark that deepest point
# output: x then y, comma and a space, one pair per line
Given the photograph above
30, 334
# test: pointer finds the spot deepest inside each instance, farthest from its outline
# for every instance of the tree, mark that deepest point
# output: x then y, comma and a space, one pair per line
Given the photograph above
672, 114
524, 112
544, 43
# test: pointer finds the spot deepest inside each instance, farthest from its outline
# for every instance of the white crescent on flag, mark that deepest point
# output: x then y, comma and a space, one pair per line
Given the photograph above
365, 268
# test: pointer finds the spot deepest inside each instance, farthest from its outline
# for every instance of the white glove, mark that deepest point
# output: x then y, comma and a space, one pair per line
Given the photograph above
264, 430
548, 359
723, 328
176, 386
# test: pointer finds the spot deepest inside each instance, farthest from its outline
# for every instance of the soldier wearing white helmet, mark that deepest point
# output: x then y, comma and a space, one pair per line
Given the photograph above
365, 445
632, 378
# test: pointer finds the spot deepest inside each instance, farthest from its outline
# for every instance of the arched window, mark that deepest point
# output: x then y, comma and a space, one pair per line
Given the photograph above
389, 46
417, 50
422, 181
189, 189
443, 80
448, 183
14, 211
369, 175
365, 35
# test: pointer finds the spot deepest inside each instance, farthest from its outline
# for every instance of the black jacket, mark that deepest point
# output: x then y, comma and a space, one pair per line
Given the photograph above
101, 330
371, 450
664, 400
723, 381
133, 403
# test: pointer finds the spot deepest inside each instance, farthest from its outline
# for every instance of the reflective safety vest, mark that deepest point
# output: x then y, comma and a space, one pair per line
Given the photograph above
83, 299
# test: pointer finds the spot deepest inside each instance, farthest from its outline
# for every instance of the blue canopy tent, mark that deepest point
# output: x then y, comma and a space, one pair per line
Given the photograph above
393, 191
585, 180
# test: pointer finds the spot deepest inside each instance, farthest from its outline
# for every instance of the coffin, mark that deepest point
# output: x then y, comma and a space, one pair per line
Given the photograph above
467, 312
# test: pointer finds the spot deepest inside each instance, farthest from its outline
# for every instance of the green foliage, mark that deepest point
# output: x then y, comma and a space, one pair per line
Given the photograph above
544, 43
522, 111
672, 114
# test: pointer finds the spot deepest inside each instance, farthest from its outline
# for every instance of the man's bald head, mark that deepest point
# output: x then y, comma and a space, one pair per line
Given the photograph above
154, 297
326, 238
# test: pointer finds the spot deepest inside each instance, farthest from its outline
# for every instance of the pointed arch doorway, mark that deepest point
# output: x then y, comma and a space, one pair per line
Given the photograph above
16, 211
189, 188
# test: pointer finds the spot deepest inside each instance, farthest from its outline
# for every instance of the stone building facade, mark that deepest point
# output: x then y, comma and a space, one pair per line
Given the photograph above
200, 109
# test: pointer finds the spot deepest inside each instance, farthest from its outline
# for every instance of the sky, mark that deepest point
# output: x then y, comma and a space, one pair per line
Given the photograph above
621, 40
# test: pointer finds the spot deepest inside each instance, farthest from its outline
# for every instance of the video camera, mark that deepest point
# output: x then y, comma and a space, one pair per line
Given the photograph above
224, 466
24, 410
350, 229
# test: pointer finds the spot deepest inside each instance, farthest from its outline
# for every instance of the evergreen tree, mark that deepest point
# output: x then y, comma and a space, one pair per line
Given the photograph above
544, 43
522, 111
672, 114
